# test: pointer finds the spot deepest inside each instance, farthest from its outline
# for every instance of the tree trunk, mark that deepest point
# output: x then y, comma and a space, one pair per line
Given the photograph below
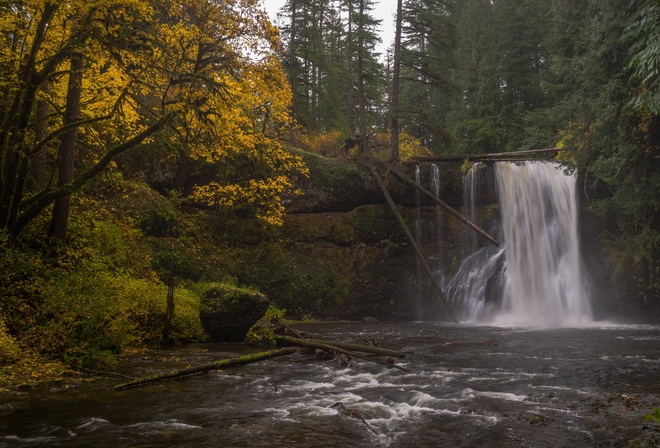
437, 200
360, 69
38, 166
413, 243
323, 344
35, 204
217, 365
169, 313
60, 217
334, 347
548, 152
15, 123
396, 68
349, 84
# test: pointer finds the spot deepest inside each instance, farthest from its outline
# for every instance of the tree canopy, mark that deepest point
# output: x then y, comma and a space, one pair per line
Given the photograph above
202, 76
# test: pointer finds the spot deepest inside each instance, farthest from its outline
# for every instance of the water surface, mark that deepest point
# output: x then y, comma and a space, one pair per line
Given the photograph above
537, 388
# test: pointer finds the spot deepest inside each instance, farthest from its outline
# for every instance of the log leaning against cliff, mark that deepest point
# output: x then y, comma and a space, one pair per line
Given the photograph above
396, 171
413, 243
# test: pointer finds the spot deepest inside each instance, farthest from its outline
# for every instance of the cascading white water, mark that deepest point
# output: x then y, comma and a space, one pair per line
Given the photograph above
418, 236
545, 283
470, 185
541, 280
435, 189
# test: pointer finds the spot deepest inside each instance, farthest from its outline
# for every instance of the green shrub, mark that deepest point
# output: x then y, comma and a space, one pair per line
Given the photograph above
9, 350
87, 316
149, 303
82, 319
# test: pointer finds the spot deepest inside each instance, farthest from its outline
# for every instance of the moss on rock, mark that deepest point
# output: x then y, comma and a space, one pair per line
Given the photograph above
227, 312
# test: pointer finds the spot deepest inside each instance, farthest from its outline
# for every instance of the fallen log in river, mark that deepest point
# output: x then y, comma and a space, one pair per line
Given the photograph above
217, 365
270, 332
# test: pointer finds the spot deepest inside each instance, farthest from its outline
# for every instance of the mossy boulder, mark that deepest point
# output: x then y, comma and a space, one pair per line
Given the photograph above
228, 312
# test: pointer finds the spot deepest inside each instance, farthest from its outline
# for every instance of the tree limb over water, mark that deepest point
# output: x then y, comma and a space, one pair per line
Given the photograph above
396, 171
545, 153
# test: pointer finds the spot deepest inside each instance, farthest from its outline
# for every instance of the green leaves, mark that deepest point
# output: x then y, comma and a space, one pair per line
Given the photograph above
644, 34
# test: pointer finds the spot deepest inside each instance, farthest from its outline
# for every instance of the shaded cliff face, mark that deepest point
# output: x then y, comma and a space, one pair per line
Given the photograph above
614, 279
353, 264
343, 254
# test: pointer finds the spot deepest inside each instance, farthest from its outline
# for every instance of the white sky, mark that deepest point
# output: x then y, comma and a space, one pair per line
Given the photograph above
383, 9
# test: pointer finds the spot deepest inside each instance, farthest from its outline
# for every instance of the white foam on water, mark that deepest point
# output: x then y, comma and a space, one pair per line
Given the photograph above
506, 396
163, 425
92, 423
29, 440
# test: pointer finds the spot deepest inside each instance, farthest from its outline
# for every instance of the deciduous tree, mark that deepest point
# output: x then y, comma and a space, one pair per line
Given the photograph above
174, 68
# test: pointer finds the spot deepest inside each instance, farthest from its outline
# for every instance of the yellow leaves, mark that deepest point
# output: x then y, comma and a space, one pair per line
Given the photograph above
32, 370
409, 146
264, 196
210, 65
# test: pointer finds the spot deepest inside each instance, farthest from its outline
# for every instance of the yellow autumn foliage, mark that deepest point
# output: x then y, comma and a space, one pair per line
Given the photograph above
248, 129
204, 74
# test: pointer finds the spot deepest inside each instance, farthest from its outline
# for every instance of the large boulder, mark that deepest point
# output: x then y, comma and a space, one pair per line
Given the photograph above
228, 312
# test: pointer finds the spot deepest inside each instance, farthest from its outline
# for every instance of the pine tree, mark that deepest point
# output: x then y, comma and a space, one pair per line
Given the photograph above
426, 59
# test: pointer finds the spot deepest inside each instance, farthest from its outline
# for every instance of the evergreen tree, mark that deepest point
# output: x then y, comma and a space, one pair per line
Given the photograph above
599, 97
473, 119
500, 63
426, 59
365, 72
325, 41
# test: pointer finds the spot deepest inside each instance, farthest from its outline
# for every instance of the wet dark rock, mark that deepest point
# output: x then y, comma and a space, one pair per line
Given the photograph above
322, 355
227, 313
333, 185
495, 285
650, 439
342, 361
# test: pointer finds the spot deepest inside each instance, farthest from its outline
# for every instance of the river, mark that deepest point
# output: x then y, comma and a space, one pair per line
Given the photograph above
571, 387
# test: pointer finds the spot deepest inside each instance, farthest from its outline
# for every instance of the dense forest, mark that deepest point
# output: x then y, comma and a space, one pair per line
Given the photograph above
149, 148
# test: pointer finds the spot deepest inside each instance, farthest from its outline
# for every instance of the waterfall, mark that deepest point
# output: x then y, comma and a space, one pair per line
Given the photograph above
435, 189
418, 237
418, 222
536, 279
470, 185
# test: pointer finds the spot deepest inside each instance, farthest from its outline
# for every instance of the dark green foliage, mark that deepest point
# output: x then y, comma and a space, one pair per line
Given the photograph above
644, 34
596, 76
322, 40
500, 61
427, 52
330, 265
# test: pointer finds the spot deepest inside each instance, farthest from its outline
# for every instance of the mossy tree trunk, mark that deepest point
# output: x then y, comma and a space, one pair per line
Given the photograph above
217, 365
169, 313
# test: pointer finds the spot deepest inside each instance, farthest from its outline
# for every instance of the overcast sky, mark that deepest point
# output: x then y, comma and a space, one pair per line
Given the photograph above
383, 9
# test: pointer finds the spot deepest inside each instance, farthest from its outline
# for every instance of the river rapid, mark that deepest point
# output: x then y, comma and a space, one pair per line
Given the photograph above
581, 387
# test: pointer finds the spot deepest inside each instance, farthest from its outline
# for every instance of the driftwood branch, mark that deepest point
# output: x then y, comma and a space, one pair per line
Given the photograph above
413, 243
352, 347
352, 413
217, 365
105, 373
404, 177
332, 346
